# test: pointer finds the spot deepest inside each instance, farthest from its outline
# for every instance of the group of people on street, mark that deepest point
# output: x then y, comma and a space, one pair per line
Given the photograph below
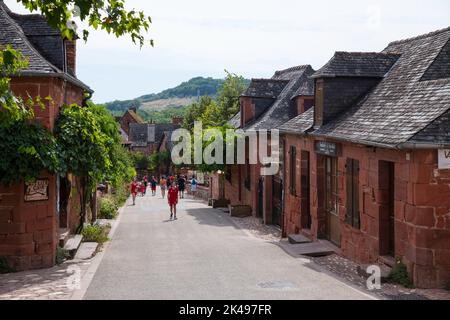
175, 186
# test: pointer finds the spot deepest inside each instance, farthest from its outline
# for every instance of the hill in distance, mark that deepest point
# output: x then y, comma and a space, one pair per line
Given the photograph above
161, 107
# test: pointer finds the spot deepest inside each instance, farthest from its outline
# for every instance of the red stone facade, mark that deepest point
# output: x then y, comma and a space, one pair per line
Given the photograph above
421, 206
29, 230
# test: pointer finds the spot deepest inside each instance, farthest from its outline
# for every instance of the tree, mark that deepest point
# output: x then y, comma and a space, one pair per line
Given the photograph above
229, 93
195, 111
108, 15
83, 150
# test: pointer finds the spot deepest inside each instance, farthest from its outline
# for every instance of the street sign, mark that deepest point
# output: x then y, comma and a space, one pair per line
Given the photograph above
444, 159
327, 148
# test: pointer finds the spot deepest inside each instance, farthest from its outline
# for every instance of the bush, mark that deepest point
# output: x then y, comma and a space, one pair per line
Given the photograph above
61, 255
4, 266
121, 195
95, 233
399, 274
108, 208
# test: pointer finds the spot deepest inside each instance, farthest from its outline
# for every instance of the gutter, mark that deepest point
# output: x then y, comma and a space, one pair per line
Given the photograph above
422, 145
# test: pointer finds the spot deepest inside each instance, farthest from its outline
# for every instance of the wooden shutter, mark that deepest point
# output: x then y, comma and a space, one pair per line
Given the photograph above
349, 190
355, 190
293, 170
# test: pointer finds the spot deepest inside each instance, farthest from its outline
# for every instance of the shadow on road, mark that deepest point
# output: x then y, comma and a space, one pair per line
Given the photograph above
208, 216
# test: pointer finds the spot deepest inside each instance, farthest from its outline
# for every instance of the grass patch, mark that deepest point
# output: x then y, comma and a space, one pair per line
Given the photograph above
4, 266
399, 275
61, 255
95, 233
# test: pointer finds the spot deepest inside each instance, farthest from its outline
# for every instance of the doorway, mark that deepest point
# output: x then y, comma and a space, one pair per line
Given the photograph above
305, 181
332, 200
277, 200
64, 197
260, 197
386, 181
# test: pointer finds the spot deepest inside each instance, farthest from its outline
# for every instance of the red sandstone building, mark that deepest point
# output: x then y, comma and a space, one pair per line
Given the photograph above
265, 105
31, 224
368, 166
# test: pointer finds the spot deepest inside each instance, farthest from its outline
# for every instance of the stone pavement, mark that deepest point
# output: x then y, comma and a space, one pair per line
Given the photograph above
56, 283
203, 255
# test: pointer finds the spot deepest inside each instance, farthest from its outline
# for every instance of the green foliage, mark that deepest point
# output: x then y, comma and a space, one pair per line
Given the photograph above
12, 108
27, 149
61, 255
158, 158
196, 111
140, 160
4, 266
229, 93
399, 274
108, 208
95, 233
121, 194
163, 116
108, 15
82, 146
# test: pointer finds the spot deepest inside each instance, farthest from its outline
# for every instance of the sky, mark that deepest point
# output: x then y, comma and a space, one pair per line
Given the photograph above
252, 38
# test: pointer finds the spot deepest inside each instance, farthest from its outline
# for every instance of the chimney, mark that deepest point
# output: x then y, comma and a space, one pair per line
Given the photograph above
177, 120
71, 56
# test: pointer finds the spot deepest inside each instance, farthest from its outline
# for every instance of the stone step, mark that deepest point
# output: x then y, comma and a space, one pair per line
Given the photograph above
63, 237
298, 239
86, 250
72, 244
312, 249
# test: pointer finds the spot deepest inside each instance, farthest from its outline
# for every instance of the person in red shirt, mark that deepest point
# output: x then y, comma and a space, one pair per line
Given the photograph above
172, 197
142, 187
134, 190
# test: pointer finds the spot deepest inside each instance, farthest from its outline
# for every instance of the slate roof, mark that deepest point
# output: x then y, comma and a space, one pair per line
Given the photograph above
283, 109
142, 134
135, 116
300, 124
357, 64
38, 42
405, 105
265, 88
235, 122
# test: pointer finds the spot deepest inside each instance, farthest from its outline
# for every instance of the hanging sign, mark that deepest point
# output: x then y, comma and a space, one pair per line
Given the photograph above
37, 190
444, 159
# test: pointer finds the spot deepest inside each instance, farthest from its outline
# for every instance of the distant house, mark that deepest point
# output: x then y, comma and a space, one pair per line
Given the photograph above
33, 218
129, 117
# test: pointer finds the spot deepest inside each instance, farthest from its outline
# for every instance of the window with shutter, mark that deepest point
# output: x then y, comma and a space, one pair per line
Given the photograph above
293, 167
352, 186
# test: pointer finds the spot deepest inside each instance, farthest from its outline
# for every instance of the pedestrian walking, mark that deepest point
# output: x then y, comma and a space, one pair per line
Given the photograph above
172, 197
134, 190
163, 186
193, 186
145, 184
142, 188
153, 185
181, 185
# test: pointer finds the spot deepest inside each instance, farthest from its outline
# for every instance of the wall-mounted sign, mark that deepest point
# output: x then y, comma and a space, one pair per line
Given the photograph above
327, 148
37, 190
444, 159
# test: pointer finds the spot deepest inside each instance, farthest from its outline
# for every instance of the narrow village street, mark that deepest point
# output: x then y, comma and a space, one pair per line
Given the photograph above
202, 255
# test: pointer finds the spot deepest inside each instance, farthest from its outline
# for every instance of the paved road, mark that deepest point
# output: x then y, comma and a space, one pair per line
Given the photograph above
202, 255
